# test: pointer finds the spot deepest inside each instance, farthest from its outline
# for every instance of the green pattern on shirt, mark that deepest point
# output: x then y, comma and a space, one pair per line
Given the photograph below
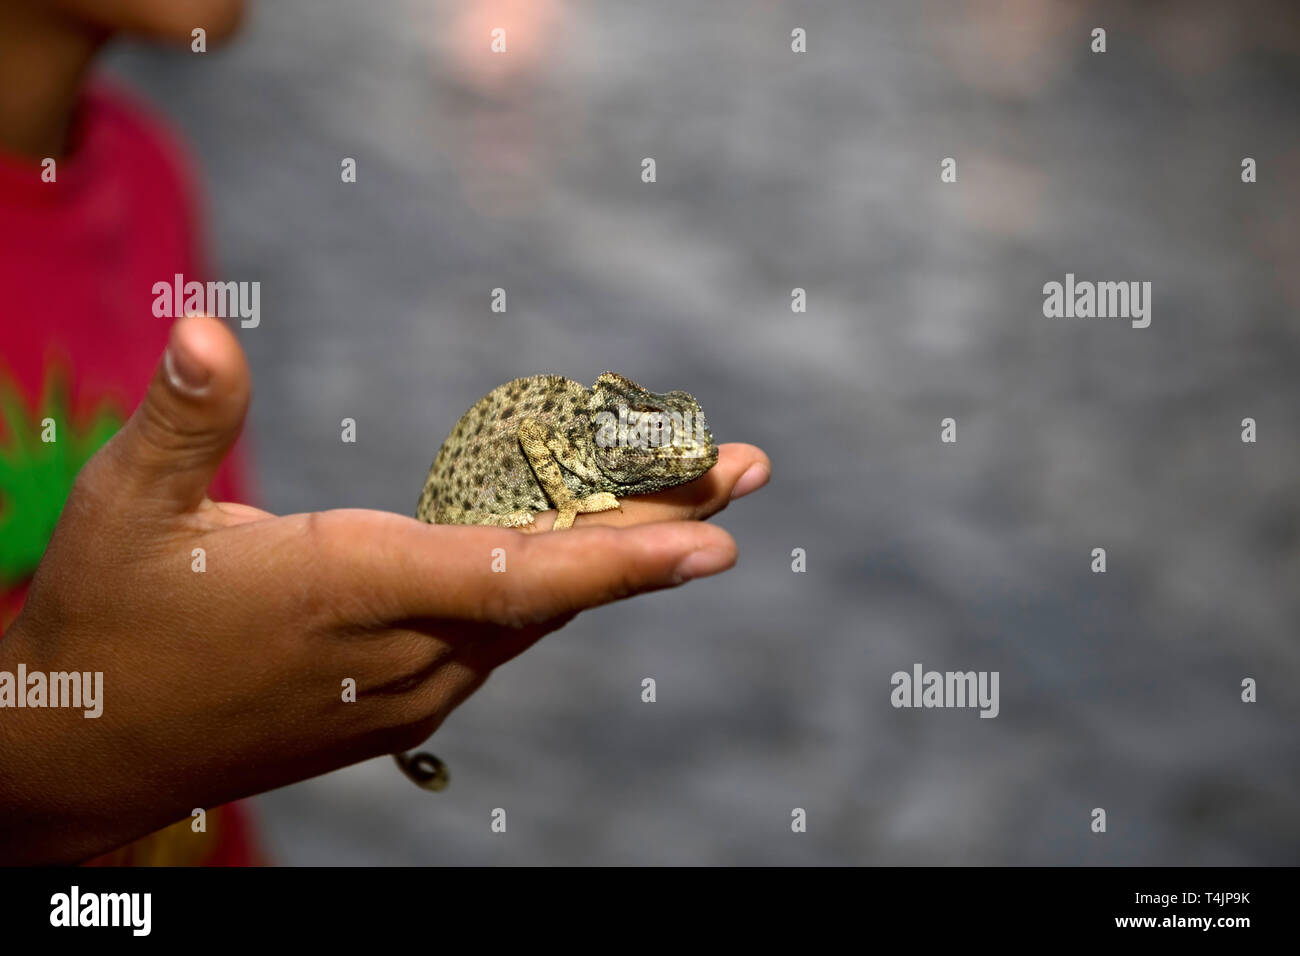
36, 473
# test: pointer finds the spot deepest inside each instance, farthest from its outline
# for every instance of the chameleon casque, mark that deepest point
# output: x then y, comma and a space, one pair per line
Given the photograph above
547, 441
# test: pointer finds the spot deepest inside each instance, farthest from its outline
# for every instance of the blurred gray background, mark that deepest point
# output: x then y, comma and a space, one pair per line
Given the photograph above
818, 170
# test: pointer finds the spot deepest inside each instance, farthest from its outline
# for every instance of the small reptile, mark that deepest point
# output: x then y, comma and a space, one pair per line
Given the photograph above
547, 441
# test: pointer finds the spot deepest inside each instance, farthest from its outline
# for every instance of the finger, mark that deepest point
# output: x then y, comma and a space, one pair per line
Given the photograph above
166, 454
232, 512
405, 568
741, 469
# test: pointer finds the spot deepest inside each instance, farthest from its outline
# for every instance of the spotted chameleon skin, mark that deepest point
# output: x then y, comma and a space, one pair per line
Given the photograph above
542, 442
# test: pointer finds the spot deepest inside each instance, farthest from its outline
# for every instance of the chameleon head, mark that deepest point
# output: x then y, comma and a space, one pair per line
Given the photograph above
648, 440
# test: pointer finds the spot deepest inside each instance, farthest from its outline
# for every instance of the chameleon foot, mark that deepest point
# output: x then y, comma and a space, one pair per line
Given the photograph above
519, 519
600, 501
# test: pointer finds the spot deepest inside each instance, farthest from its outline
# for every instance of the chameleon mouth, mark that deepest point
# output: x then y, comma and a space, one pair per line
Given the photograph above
699, 455
688, 450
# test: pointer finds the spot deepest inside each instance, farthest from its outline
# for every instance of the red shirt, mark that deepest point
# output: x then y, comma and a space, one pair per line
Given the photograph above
79, 256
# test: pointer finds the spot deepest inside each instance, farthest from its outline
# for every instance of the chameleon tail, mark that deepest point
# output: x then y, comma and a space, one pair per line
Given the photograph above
424, 770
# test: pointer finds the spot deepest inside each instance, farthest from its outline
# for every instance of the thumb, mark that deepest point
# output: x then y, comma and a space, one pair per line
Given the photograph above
169, 449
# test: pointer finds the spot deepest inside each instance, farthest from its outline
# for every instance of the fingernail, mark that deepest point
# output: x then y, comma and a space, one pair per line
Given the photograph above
700, 564
755, 477
185, 372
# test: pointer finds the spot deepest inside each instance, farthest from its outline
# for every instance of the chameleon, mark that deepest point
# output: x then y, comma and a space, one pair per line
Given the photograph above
546, 441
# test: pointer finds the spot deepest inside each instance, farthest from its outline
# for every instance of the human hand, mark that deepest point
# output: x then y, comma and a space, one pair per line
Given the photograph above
229, 682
